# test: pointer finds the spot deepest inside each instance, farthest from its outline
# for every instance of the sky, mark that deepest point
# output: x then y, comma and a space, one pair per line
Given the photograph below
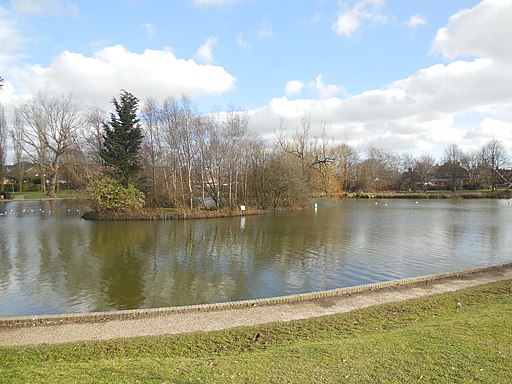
409, 76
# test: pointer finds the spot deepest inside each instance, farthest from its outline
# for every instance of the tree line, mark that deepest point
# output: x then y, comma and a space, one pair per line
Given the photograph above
178, 157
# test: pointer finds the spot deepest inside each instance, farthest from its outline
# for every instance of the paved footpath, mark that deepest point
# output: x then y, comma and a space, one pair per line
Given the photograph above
62, 329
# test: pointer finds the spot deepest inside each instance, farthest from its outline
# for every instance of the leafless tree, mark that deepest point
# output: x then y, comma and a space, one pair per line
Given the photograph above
17, 134
3, 144
473, 163
82, 160
315, 155
426, 169
152, 150
234, 136
453, 157
50, 125
180, 125
379, 169
495, 158
346, 161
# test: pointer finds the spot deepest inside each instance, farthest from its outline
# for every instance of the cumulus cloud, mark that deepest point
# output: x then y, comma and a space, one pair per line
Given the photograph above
153, 73
489, 128
481, 31
317, 88
349, 19
294, 87
205, 51
422, 112
416, 21
324, 90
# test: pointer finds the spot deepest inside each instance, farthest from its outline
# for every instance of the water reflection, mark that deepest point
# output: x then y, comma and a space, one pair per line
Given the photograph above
51, 261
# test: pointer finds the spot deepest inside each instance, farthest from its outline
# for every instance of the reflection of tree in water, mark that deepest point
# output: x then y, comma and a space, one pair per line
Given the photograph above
199, 268
5, 258
123, 262
296, 252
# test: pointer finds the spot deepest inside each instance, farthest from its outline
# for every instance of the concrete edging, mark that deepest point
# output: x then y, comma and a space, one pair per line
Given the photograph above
92, 317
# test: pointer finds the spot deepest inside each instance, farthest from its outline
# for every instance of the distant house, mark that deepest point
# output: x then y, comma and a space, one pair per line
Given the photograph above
448, 173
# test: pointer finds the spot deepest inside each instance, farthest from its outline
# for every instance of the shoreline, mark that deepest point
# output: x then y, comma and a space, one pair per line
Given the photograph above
56, 329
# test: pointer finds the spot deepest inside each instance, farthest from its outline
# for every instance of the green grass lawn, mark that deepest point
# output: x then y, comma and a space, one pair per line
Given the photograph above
430, 340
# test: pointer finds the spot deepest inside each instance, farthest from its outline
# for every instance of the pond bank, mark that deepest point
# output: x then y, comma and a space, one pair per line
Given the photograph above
501, 194
56, 329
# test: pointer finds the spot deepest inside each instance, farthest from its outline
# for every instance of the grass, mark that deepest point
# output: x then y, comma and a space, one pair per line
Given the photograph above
428, 340
61, 194
439, 194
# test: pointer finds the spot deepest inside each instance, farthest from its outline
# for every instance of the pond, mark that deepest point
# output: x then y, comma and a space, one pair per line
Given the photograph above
52, 261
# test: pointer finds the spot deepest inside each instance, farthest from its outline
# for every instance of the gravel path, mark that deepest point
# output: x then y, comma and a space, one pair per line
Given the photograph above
257, 313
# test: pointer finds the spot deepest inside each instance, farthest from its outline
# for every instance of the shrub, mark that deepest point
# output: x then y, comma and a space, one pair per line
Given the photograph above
107, 195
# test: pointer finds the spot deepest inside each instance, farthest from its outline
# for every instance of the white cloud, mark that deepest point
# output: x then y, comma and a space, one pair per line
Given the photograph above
294, 87
482, 31
324, 90
153, 73
489, 128
205, 51
10, 36
466, 102
416, 21
347, 23
44, 7
318, 88
349, 19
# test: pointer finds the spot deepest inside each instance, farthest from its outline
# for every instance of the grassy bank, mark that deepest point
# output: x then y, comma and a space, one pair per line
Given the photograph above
461, 337
463, 194
169, 214
62, 194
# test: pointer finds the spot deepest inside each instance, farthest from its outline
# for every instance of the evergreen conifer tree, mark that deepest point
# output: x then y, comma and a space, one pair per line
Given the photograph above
122, 139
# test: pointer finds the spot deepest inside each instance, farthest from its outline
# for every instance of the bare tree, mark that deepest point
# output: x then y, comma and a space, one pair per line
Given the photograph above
3, 144
453, 157
495, 158
346, 162
380, 169
314, 155
426, 169
409, 172
17, 134
91, 134
50, 125
234, 134
180, 125
152, 151
323, 156
82, 161
473, 162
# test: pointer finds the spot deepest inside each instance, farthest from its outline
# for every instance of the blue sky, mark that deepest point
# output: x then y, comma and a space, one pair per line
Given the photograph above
409, 76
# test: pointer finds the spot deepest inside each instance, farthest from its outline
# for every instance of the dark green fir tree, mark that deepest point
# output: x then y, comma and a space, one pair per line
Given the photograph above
122, 140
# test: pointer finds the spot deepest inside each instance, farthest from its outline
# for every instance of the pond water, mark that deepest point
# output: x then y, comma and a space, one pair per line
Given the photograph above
52, 261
